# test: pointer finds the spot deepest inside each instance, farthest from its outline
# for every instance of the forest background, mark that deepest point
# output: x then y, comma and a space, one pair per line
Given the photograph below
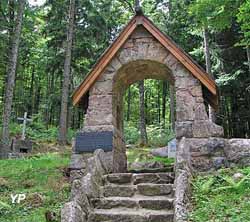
59, 41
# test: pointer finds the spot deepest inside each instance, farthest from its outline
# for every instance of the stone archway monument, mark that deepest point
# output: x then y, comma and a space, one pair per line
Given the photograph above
142, 51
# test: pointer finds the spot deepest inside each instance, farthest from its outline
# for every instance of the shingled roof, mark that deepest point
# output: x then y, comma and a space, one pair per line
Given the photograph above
209, 85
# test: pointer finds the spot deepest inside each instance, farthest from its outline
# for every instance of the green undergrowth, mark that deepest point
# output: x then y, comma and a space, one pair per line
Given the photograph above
219, 197
158, 136
42, 178
142, 154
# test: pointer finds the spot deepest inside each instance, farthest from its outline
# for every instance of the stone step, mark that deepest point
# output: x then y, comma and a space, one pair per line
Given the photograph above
153, 170
154, 203
157, 178
128, 178
146, 189
149, 189
118, 190
118, 178
130, 215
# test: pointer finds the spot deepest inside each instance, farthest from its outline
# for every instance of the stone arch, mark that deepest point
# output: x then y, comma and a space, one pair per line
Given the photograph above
142, 56
125, 76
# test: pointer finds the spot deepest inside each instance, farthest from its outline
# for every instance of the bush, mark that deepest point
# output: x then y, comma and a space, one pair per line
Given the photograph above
37, 130
157, 135
132, 134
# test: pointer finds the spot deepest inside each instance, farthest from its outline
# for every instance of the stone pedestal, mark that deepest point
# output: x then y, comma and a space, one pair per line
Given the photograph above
21, 146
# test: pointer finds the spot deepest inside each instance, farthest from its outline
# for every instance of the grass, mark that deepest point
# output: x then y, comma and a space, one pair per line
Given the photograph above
142, 154
219, 198
41, 178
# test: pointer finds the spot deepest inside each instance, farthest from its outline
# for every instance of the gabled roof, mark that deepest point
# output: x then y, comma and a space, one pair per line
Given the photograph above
208, 83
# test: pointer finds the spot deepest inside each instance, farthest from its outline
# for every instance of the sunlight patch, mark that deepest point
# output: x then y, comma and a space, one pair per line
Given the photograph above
36, 2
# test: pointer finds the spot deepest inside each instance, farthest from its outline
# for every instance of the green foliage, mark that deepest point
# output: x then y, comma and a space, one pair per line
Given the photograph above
212, 13
218, 197
166, 161
227, 79
37, 131
157, 136
41, 174
131, 134
244, 20
138, 154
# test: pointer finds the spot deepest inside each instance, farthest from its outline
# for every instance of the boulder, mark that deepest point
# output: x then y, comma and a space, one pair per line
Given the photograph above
72, 212
238, 151
237, 177
161, 152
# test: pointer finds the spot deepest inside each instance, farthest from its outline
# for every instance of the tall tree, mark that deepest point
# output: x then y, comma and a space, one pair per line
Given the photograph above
129, 103
11, 73
172, 106
143, 130
62, 137
164, 99
207, 53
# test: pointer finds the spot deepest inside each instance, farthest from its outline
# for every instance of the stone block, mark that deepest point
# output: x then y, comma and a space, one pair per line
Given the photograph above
102, 87
21, 146
72, 212
207, 146
205, 129
77, 161
186, 83
183, 129
119, 191
155, 189
200, 112
118, 178
196, 91
185, 106
238, 151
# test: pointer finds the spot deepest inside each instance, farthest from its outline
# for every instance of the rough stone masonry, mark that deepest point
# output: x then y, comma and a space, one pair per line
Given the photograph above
142, 57
200, 143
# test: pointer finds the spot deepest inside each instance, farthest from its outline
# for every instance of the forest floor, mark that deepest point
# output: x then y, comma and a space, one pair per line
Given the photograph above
220, 197
42, 178
143, 155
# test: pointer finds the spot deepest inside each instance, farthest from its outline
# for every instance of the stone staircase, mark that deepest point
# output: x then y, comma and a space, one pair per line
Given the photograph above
135, 197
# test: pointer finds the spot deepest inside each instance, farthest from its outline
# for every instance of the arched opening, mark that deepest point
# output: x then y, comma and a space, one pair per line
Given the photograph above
129, 75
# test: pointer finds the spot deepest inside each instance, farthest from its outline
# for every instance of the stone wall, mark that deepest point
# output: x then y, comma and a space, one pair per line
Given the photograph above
183, 176
214, 153
142, 57
86, 180
195, 155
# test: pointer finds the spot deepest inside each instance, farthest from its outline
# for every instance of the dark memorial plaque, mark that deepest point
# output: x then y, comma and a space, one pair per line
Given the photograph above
91, 141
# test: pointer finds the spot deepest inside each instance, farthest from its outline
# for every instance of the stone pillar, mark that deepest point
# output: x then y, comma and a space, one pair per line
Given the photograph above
191, 117
105, 114
119, 146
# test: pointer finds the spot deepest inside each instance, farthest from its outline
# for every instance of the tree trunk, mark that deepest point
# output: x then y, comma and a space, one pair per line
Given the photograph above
172, 106
159, 102
11, 73
129, 104
62, 137
31, 105
143, 131
208, 68
248, 58
164, 95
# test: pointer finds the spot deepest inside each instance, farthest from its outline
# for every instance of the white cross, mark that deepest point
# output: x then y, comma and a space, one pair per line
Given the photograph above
25, 120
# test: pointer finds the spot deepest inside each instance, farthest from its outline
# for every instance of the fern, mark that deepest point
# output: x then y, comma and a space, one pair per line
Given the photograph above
4, 205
